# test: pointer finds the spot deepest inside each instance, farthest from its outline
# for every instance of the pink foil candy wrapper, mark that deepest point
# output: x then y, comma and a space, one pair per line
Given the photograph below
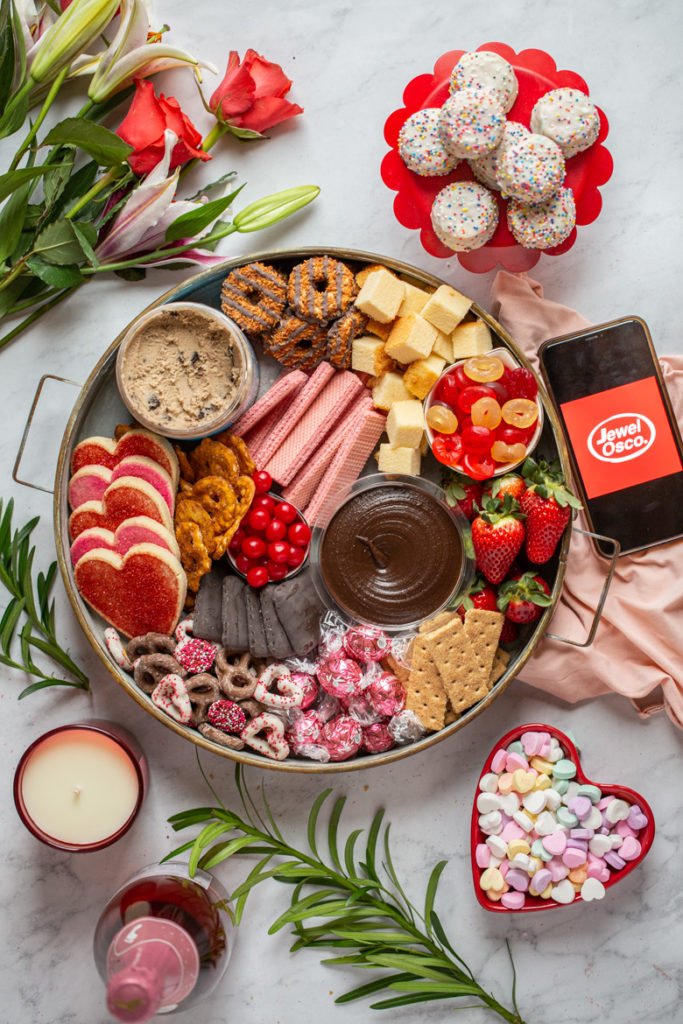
309, 685
386, 694
377, 738
303, 730
366, 643
339, 676
360, 708
405, 728
342, 736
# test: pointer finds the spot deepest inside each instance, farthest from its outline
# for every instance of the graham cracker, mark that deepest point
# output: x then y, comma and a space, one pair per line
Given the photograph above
390, 664
500, 663
483, 630
450, 716
459, 666
439, 620
425, 693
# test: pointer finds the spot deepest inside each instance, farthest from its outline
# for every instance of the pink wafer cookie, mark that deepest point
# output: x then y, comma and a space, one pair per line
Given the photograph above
301, 404
256, 438
314, 426
362, 434
304, 484
285, 387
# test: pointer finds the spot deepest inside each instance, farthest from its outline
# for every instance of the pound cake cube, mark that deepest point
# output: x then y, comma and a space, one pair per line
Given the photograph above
443, 346
422, 375
414, 300
389, 389
405, 424
379, 330
398, 460
380, 296
471, 339
411, 338
446, 308
368, 356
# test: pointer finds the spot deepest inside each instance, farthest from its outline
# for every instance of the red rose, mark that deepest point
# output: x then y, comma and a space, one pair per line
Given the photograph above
252, 94
144, 125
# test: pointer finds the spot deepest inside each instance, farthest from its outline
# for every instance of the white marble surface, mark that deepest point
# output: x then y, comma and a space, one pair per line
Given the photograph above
613, 962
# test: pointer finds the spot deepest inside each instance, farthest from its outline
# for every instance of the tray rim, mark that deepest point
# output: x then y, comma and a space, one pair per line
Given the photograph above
60, 518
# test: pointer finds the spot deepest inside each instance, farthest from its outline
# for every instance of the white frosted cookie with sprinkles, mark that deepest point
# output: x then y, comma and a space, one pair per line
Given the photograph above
483, 69
567, 117
471, 123
464, 216
420, 146
543, 226
531, 169
485, 169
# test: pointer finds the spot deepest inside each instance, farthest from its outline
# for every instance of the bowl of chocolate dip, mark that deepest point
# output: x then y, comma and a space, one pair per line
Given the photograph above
186, 370
393, 554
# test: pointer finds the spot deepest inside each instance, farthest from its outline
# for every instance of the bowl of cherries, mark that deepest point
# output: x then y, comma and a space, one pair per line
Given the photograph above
273, 540
483, 416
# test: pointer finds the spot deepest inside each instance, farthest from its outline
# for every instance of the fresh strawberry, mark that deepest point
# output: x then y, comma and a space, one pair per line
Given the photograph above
497, 536
509, 632
548, 507
523, 598
479, 596
510, 483
463, 492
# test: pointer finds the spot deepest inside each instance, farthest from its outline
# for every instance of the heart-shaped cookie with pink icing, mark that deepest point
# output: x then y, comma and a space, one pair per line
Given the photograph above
543, 834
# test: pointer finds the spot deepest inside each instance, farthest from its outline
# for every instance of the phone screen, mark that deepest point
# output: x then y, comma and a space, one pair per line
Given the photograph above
624, 441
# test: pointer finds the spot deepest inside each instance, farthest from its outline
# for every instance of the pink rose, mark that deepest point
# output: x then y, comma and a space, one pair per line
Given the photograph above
251, 96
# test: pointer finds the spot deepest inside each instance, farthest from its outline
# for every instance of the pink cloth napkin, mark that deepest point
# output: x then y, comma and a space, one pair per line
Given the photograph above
637, 648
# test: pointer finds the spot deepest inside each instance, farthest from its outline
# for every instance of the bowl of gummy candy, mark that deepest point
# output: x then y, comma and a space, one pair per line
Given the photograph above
483, 415
543, 834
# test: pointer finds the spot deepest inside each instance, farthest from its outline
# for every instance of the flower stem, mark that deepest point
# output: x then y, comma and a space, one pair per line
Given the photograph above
100, 184
54, 89
216, 133
158, 254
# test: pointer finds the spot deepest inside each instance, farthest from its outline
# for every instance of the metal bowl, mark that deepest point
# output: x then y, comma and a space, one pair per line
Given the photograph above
99, 408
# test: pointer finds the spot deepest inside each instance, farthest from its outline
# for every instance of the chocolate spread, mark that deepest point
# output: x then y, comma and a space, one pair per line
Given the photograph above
391, 555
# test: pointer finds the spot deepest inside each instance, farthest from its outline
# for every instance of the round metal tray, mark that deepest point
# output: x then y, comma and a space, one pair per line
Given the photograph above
99, 408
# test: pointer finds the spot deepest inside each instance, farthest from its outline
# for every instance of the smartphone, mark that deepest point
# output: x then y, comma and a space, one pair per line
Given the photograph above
622, 435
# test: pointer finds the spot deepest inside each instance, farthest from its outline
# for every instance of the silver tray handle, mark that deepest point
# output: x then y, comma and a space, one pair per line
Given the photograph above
616, 550
27, 427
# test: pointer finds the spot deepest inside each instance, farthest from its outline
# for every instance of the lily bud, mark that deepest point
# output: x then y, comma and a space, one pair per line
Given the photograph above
273, 208
80, 23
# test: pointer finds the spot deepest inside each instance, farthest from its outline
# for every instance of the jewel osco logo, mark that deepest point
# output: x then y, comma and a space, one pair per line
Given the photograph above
623, 437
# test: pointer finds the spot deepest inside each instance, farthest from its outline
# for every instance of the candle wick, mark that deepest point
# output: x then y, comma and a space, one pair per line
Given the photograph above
77, 791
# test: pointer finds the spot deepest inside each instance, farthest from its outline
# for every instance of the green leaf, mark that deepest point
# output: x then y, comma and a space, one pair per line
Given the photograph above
390, 870
45, 682
12, 219
56, 277
80, 182
310, 906
245, 134
332, 831
313, 818
131, 274
98, 142
87, 236
371, 988
205, 838
9, 622
12, 293
451, 988
392, 1004
190, 224
432, 886
224, 850
58, 243
54, 183
6, 52
180, 849
371, 847
193, 817
12, 180
351, 869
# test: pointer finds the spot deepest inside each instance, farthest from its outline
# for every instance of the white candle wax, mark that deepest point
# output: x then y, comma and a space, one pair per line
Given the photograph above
79, 786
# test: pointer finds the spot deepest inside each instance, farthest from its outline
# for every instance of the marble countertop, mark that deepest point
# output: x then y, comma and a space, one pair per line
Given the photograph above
613, 962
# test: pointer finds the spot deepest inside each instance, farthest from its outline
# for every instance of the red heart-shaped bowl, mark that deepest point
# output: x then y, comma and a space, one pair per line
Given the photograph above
537, 74
645, 835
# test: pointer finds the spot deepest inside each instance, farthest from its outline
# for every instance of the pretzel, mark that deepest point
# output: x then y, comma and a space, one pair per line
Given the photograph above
287, 693
222, 540
150, 643
238, 446
236, 682
222, 738
245, 489
151, 668
189, 510
123, 428
117, 649
273, 744
194, 554
211, 458
252, 708
170, 695
218, 498
202, 690
186, 470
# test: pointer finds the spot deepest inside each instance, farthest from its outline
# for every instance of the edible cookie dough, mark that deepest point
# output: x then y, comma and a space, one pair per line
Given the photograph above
181, 369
